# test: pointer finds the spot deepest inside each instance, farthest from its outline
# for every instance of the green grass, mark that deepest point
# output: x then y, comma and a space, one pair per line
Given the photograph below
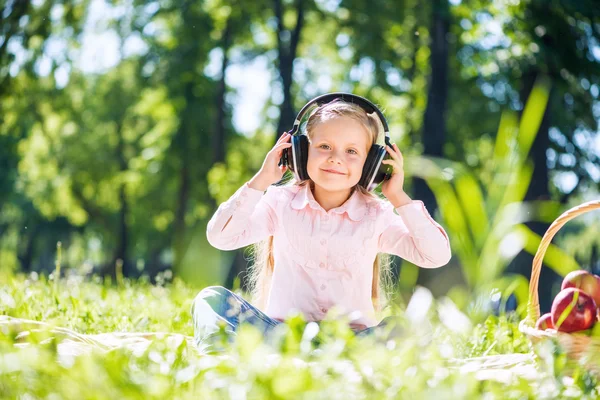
435, 357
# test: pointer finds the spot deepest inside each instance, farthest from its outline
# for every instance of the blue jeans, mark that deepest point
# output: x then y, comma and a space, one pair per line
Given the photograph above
215, 307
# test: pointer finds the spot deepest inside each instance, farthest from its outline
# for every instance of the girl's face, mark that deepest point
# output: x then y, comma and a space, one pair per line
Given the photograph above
337, 152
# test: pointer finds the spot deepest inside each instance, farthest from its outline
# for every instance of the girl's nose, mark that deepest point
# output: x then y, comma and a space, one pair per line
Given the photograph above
334, 158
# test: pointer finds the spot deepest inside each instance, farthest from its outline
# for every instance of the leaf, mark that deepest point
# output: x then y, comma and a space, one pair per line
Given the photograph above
473, 205
533, 115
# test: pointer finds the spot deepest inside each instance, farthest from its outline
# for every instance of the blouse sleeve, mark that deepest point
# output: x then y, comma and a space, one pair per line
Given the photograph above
413, 235
246, 218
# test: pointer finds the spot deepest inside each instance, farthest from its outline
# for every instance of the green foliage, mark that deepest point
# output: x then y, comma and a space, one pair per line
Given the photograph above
244, 158
430, 359
388, 46
485, 214
506, 44
91, 306
498, 335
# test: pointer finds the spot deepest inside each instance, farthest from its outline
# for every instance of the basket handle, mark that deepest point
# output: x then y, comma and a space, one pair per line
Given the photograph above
534, 301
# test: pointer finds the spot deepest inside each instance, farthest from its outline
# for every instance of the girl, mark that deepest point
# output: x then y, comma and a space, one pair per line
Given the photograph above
321, 236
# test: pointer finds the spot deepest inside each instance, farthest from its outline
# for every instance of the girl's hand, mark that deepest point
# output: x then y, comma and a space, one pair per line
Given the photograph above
393, 188
270, 172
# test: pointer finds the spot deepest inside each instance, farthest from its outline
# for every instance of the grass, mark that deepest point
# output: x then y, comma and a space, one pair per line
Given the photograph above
440, 354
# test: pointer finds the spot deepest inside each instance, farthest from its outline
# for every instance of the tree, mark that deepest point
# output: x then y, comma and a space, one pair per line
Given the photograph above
531, 40
434, 121
288, 39
24, 31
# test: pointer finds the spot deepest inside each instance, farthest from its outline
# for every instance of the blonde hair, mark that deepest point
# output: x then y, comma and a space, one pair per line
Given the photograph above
261, 270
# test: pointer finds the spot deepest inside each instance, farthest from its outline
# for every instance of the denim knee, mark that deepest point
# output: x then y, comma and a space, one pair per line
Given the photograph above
210, 297
205, 311
211, 292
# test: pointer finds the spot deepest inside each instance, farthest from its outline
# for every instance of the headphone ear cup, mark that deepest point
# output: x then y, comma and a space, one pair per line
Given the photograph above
300, 156
381, 170
373, 170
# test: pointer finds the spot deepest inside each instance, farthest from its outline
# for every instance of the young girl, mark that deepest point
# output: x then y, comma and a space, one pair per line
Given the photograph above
321, 236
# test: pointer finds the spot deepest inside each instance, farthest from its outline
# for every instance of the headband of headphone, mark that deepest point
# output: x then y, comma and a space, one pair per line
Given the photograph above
348, 98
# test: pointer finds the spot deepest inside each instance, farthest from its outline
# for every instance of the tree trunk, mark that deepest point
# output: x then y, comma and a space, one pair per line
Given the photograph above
434, 124
220, 136
287, 45
26, 257
539, 189
183, 195
123, 229
220, 140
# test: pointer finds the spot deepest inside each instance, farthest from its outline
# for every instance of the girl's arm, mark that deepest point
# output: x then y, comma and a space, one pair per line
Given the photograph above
249, 216
246, 218
412, 234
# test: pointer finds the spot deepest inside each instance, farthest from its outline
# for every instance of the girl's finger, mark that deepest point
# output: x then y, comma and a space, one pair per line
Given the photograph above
395, 166
283, 138
279, 148
398, 152
392, 153
395, 163
282, 146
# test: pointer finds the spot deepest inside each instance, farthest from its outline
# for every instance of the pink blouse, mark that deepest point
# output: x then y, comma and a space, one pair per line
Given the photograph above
325, 259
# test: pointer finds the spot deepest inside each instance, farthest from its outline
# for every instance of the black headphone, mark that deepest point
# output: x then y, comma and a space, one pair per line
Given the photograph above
296, 156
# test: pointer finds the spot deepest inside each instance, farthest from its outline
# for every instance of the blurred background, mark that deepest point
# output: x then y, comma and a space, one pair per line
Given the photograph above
123, 124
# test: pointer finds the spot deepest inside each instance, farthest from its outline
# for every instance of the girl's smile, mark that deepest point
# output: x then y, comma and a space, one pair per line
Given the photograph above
332, 171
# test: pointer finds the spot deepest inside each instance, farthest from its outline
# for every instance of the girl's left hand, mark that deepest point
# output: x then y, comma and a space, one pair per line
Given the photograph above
393, 188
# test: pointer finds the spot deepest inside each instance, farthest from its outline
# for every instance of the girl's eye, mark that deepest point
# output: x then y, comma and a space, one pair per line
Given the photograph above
324, 146
352, 151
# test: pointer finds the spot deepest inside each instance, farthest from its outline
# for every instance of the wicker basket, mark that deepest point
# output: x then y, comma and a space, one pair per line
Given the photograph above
576, 345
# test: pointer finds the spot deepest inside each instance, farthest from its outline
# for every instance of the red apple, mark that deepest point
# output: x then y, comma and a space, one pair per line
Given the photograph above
545, 322
573, 310
585, 281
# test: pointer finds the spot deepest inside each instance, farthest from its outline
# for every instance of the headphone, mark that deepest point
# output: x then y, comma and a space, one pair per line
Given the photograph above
296, 156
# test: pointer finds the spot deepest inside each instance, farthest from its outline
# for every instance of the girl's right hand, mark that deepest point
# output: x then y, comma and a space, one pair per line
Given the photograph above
271, 172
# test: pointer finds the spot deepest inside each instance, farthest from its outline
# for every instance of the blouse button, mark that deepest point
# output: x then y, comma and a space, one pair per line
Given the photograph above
323, 287
322, 265
323, 310
237, 203
323, 242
